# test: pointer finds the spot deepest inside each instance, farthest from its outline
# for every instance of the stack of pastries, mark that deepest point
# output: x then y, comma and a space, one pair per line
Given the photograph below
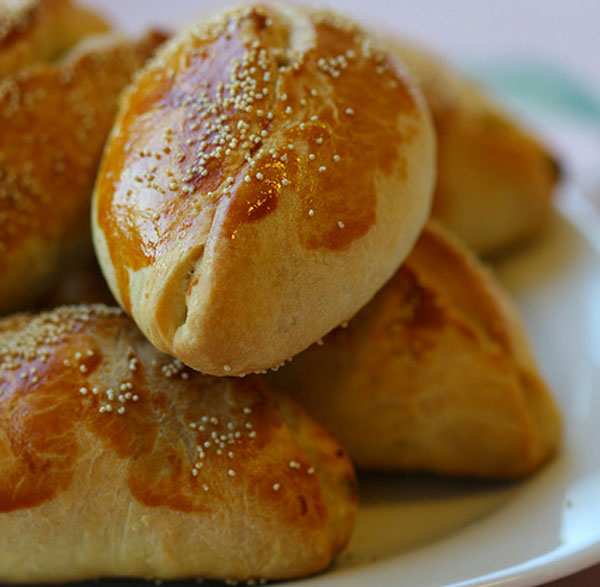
289, 310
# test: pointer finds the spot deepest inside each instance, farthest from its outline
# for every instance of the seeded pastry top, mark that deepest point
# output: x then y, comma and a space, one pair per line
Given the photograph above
256, 110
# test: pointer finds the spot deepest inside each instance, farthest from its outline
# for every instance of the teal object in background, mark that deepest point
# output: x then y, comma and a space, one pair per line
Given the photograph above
536, 85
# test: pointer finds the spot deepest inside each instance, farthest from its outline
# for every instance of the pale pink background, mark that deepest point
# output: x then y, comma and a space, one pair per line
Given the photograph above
565, 31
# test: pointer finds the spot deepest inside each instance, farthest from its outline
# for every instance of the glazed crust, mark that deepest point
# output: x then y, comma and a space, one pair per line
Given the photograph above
435, 372
495, 179
55, 120
37, 31
139, 467
254, 194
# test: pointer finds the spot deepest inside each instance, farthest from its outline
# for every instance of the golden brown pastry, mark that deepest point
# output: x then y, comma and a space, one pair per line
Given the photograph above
54, 120
253, 194
495, 180
435, 374
33, 31
115, 460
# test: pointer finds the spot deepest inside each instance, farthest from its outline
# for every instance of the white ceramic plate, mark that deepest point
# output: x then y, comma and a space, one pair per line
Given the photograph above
428, 532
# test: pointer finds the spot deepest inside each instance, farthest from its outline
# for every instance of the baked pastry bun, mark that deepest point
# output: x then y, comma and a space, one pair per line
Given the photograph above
435, 373
55, 120
34, 31
267, 173
116, 461
495, 179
